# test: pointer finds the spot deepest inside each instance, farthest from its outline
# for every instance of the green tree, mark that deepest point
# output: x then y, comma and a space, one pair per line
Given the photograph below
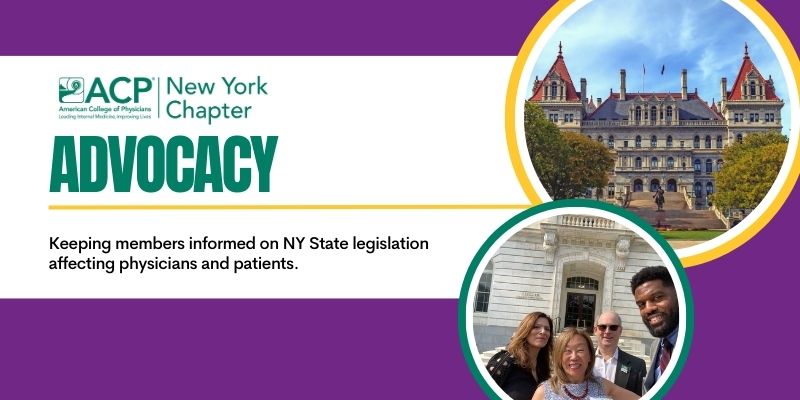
589, 163
749, 170
567, 164
547, 149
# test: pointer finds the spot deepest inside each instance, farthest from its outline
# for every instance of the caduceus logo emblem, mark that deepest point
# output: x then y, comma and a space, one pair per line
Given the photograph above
70, 90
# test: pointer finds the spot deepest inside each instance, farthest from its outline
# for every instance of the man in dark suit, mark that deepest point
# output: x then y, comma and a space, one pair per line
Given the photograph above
657, 300
611, 362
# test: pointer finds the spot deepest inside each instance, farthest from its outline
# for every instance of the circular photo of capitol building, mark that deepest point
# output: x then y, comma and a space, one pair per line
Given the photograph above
647, 106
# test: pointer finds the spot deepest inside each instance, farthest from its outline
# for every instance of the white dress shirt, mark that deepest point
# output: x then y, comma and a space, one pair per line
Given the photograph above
605, 369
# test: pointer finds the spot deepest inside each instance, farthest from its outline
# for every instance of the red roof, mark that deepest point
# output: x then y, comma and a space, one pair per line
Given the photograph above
560, 69
715, 109
747, 67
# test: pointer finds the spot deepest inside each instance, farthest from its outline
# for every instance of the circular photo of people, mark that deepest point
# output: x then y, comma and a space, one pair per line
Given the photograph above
575, 299
689, 125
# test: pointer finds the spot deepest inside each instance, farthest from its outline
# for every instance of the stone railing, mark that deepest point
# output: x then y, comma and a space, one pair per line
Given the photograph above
702, 122
660, 169
624, 199
587, 221
672, 149
617, 122
721, 216
689, 198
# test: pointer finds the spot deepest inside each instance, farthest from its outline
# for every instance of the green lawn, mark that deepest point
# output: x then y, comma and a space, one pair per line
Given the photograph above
690, 235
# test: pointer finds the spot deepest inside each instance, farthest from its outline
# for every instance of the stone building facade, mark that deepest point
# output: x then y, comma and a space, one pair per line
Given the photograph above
572, 267
672, 139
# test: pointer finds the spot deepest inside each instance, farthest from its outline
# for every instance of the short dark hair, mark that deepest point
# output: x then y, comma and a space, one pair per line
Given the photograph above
648, 274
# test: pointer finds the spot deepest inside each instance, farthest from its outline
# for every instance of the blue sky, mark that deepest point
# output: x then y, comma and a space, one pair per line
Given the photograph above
704, 36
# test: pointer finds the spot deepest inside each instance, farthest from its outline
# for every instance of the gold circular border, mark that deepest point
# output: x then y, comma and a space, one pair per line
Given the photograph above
516, 155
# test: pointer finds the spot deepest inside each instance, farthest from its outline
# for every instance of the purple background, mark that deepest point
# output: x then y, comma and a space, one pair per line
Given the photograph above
389, 349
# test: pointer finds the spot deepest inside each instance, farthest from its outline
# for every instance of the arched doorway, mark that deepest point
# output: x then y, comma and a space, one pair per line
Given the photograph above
580, 294
638, 186
672, 186
581, 301
654, 184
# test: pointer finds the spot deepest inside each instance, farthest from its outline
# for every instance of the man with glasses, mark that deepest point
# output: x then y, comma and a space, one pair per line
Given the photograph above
611, 362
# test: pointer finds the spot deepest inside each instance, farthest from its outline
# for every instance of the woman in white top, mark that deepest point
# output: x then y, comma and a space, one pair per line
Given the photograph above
573, 358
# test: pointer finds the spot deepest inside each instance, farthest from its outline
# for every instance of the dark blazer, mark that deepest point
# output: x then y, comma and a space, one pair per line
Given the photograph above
650, 380
630, 372
651, 375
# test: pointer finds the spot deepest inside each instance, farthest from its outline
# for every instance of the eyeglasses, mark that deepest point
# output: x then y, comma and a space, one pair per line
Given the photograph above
613, 328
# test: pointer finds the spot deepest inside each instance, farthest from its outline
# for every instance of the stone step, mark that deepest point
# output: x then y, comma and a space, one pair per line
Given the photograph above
676, 213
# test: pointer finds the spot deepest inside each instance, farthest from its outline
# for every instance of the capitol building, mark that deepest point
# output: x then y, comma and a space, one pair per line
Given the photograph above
670, 139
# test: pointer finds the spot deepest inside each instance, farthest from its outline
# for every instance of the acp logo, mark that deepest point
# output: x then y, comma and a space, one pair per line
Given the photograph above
70, 90
121, 90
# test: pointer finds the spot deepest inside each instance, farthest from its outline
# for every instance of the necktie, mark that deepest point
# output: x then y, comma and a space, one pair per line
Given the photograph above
666, 352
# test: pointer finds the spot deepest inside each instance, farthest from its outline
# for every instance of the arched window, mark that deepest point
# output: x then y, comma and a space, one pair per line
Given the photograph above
669, 114
719, 165
670, 163
709, 188
752, 88
611, 188
600, 138
653, 114
669, 141
653, 141
553, 90
654, 162
638, 163
637, 114
638, 141
739, 138
709, 166
581, 282
697, 142
719, 141
611, 141
708, 142
698, 189
697, 166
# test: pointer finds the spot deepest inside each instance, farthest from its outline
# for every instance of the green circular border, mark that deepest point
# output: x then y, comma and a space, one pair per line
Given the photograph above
473, 267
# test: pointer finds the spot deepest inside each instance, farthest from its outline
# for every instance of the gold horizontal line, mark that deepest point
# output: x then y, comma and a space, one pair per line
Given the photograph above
132, 207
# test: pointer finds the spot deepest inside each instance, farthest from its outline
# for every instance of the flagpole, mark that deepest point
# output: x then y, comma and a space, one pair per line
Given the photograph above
644, 71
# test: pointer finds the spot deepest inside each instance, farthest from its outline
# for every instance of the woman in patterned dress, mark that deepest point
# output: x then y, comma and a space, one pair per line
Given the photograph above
573, 358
